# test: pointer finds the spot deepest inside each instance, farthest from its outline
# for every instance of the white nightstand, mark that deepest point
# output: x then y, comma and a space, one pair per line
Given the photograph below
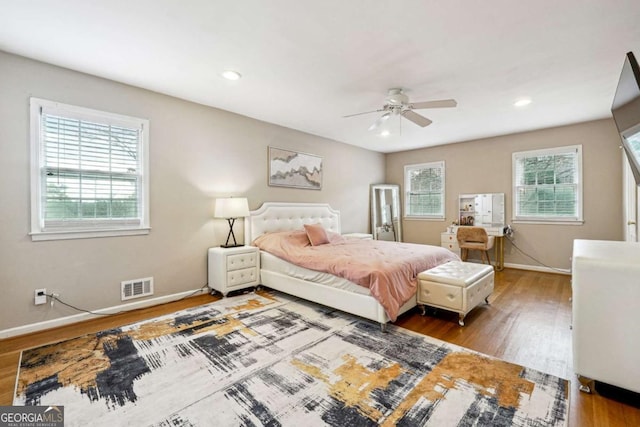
233, 268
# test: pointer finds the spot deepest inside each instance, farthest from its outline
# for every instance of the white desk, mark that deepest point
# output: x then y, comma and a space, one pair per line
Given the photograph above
496, 230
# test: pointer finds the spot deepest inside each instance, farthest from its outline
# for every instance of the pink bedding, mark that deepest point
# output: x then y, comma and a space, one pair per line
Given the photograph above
388, 269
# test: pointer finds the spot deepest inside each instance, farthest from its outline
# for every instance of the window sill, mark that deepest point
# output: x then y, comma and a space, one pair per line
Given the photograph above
424, 218
86, 234
548, 222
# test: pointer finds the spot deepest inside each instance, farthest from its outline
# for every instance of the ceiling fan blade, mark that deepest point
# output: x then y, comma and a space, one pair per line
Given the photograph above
442, 103
381, 120
416, 118
366, 112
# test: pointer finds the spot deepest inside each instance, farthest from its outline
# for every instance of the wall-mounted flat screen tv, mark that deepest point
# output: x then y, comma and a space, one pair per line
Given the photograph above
626, 112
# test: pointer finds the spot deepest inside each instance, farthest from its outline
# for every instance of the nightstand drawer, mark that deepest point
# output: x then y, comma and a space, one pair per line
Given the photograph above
240, 277
240, 261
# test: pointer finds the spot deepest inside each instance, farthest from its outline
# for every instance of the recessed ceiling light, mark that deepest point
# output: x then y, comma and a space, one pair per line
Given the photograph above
385, 133
231, 75
522, 102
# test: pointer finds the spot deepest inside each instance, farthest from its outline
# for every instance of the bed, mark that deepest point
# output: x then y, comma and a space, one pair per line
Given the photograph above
322, 288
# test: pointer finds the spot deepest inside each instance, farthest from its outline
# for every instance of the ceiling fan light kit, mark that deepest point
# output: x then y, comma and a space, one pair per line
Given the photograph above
397, 97
397, 103
381, 120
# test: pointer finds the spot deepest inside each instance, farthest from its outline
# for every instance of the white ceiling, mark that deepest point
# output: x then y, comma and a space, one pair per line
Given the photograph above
305, 64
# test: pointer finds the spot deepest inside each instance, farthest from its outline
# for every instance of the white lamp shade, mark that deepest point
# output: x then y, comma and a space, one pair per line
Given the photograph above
232, 207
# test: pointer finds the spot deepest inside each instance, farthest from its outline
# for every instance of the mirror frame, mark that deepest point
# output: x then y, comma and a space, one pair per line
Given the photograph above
395, 206
475, 214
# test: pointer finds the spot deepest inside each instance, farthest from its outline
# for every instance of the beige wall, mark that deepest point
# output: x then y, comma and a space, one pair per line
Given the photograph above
196, 154
484, 166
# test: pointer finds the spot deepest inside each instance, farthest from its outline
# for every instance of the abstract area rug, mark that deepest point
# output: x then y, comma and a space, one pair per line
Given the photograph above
271, 359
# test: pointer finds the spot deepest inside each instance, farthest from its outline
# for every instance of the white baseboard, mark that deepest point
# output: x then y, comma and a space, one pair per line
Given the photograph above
67, 320
566, 271
531, 267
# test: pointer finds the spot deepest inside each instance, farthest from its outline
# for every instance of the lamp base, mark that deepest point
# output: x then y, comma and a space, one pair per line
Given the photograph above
230, 235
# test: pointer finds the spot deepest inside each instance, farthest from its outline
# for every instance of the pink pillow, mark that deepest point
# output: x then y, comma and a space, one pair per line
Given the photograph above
316, 234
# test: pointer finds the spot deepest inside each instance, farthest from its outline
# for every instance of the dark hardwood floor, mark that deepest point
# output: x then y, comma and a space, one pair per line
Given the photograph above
527, 322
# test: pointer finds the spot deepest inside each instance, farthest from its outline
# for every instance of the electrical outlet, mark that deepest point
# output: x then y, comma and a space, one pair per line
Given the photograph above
40, 296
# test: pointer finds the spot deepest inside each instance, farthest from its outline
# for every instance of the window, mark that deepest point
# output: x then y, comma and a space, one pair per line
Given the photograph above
89, 173
424, 190
547, 185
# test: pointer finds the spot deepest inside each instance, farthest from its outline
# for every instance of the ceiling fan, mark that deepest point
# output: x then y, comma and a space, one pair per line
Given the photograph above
397, 103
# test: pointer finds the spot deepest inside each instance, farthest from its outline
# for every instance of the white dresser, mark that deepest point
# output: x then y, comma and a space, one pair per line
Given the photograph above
233, 268
605, 311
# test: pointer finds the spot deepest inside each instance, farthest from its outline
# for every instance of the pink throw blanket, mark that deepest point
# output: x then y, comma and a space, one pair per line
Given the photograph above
388, 269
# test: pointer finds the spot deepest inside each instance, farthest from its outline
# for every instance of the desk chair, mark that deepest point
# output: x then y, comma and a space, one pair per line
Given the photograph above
475, 239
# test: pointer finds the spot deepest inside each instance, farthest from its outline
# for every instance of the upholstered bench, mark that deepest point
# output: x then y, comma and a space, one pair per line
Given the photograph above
455, 286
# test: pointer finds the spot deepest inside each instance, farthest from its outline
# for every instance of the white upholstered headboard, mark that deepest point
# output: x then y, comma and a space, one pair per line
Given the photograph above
282, 216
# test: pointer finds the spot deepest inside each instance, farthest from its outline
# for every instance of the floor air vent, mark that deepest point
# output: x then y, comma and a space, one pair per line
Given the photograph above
136, 288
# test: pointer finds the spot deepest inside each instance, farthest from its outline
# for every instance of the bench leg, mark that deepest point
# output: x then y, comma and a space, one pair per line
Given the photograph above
461, 319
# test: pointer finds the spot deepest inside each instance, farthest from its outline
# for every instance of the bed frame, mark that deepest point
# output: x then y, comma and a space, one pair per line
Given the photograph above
276, 216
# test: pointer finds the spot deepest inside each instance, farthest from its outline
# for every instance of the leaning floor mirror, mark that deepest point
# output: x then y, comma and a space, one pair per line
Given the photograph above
385, 212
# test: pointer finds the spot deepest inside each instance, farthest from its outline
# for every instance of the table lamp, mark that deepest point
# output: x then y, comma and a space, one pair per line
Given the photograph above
231, 208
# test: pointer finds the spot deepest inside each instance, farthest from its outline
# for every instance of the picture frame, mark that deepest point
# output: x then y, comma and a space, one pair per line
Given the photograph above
294, 169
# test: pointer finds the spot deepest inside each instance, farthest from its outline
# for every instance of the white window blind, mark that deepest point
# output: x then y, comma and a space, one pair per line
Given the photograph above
424, 190
548, 184
90, 169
